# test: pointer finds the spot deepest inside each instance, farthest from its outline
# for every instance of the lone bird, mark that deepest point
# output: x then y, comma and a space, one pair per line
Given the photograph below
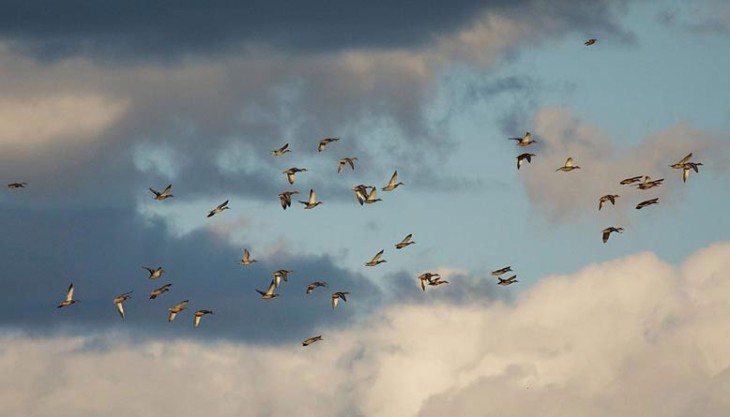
269, 293
285, 198
165, 194
291, 173
680, 164
16, 185
608, 197
501, 271
569, 166
371, 198
312, 202
69, 297
174, 310
336, 298
120, 299
647, 203
281, 151
311, 340
222, 206
324, 142
522, 157
508, 281
316, 284
687, 167
247, 258
405, 242
607, 232
648, 183
393, 184
163, 289
525, 140
376, 259
199, 315
631, 180
590, 42
154, 273
345, 161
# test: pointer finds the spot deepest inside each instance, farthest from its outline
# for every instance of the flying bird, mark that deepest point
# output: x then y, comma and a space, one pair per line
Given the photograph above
154, 273
69, 297
247, 258
285, 198
405, 242
607, 232
426, 278
324, 142
312, 202
508, 281
163, 289
311, 340
165, 194
269, 293
647, 203
648, 183
222, 206
525, 140
174, 310
631, 180
501, 271
345, 161
376, 259
608, 197
316, 284
392, 184
437, 282
16, 185
687, 167
291, 173
680, 164
336, 298
199, 315
281, 274
590, 42
120, 299
371, 198
569, 166
361, 192
522, 157
281, 151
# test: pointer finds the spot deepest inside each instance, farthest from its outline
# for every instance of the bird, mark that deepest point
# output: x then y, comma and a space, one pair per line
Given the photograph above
376, 259
222, 206
174, 310
269, 293
607, 232
324, 142
247, 258
361, 192
154, 273
522, 157
501, 271
371, 198
311, 203
16, 185
631, 180
285, 198
69, 297
508, 281
120, 299
647, 203
647, 183
608, 197
437, 282
590, 42
345, 161
163, 289
426, 279
525, 140
291, 173
687, 167
281, 274
405, 242
680, 164
316, 284
336, 298
392, 184
198, 315
311, 340
281, 151
568, 166
165, 194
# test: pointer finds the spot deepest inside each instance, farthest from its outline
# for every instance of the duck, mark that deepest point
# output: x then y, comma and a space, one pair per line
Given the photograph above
324, 142
608, 197
222, 206
345, 161
285, 198
436, 282
371, 198
522, 157
16, 185
69, 297
311, 203
525, 140
199, 315
315, 284
508, 281
291, 173
361, 192
281, 151
269, 293
631, 180
426, 279
281, 274
376, 259
680, 164
648, 183
336, 298
154, 273
405, 242
311, 340
165, 194
569, 166
392, 184
120, 299
607, 232
177, 308
501, 271
647, 203
163, 289
247, 258
590, 42
687, 167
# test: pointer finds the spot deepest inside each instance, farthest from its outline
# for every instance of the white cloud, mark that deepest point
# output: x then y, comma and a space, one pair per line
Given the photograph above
631, 337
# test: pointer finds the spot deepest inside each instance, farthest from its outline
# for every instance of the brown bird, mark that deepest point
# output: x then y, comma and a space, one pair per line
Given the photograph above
198, 315
316, 284
525, 140
163, 289
501, 271
16, 185
312, 202
568, 166
291, 173
285, 198
647, 203
631, 180
522, 157
680, 164
324, 142
336, 298
392, 184
426, 278
345, 161
281, 274
508, 281
154, 273
589, 42
269, 294
608, 197
687, 167
647, 183
120, 299
311, 340
247, 258
376, 259
405, 242
165, 194
361, 192
607, 232
281, 151
177, 308
222, 206
69, 297
371, 198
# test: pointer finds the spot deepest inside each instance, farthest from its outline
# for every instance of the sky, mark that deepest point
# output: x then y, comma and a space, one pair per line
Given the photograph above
102, 100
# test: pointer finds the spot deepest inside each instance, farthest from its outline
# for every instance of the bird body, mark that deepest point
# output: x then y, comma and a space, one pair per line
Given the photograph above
311, 340
569, 166
606, 233
392, 184
337, 296
525, 140
165, 194
285, 198
177, 308
281, 151
69, 297
163, 289
316, 284
120, 299
247, 258
16, 185
199, 315
647, 203
590, 42
501, 271
345, 161
680, 164
222, 206
608, 197
427, 277
405, 242
361, 192
376, 259
312, 202
687, 167
524, 157
291, 173
648, 183
154, 273
508, 281
372, 196
324, 142
631, 180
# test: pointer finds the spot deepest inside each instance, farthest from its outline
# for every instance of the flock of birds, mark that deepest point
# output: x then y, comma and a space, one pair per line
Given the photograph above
367, 194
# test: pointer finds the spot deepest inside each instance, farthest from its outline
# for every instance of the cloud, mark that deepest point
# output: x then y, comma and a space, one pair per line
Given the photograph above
634, 336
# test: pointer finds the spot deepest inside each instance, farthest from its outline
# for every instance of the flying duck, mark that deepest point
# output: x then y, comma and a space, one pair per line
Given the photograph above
311, 340
16, 185
154, 273
291, 173
680, 164
525, 140
647, 203
522, 157
371, 198
312, 202
222, 206
568, 166
361, 192
198, 315
176, 309
426, 279
608, 197
376, 259
687, 167
163, 289
647, 183
631, 180
607, 232
345, 161
589, 42
120, 299
281, 274
285, 198
437, 282
405, 242
281, 151
392, 184
501, 271
315, 284
324, 142
336, 298
165, 194
269, 294
247, 258
69, 297
508, 281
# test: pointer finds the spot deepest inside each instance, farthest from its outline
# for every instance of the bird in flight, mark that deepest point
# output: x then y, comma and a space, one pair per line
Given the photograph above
281, 274
590, 42
165, 194
199, 315
372, 196
269, 293
608, 197
405, 242
647, 203
648, 183
569, 166
16, 185
361, 192
631, 180
285, 198
524, 157
525, 140
291, 173
312, 202
324, 142
69, 297
680, 164
501, 271
222, 206
336, 298
426, 278
687, 167
607, 232
316, 284
311, 340
508, 281
345, 161
120, 299
376, 259
174, 310
281, 151
154, 273
247, 258
392, 184
163, 289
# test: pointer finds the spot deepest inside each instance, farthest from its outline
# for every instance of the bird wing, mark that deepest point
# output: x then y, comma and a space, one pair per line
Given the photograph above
246, 255
283, 148
180, 305
377, 256
312, 197
223, 204
569, 162
155, 192
120, 309
70, 293
291, 176
196, 321
172, 316
685, 173
272, 287
167, 189
393, 179
606, 234
342, 166
335, 300
685, 159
